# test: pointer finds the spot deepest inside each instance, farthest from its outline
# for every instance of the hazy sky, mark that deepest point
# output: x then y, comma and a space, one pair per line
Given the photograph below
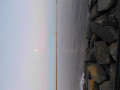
27, 44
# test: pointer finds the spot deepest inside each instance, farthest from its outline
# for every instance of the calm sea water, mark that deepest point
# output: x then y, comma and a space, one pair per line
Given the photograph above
72, 19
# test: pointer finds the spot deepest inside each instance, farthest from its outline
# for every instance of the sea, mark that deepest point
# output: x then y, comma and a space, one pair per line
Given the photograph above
72, 21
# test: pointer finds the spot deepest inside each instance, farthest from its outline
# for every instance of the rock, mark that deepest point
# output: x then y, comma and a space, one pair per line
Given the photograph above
92, 40
101, 53
104, 5
106, 33
87, 75
112, 75
89, 33
90, 55
91, 4
85, 85
107, 20
113, 10
94, 13
105, 28
92, 85
105, 86
106, 67
117, 11
97, 73
113, 50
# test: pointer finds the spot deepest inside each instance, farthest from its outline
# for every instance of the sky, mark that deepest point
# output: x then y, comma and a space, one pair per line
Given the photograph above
27, 44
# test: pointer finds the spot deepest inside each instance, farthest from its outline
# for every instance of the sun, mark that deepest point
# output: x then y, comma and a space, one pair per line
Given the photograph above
36, 51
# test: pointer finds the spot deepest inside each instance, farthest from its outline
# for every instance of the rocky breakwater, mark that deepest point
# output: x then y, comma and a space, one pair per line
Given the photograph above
101, 53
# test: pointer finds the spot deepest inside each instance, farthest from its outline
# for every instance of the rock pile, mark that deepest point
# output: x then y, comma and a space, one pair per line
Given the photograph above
101, 53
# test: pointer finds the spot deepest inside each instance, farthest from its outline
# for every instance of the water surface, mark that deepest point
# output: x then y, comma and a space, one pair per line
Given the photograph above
71, 30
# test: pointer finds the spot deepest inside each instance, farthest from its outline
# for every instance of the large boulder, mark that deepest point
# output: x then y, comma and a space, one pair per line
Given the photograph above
92, 85
105, 28
106, 67
112, 75
105, 4
101, 53
97, 73
90, 55
107, 19
94, 13
89, 33
105, 86
117, 11
113, 50
92, 40
107, 33
91, 4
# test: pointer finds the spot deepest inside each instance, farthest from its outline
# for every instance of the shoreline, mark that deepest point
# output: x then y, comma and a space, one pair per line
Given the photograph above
101, 52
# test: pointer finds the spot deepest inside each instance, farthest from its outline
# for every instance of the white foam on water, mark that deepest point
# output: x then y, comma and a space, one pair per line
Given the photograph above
82, 80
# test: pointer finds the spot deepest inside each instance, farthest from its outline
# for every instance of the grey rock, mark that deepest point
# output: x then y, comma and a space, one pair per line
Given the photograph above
107, 20
113, 10
90, 55
105, 85
89, 33
92, 37
106, 33
112, 75
101, 53
97, 73
87, 75
105, 4
91, 4
117, 11
92, 40
93, 13
106, 67
105, 28
113, 50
